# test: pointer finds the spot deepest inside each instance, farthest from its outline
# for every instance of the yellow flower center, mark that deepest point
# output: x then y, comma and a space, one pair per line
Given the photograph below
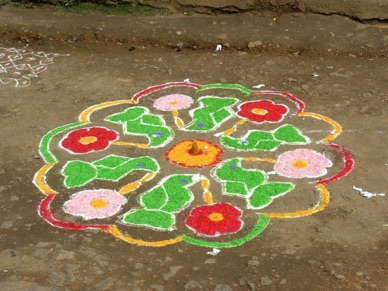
173, 102
259, 111
216, 216
190, 153
88, 139
98, 203
300, 164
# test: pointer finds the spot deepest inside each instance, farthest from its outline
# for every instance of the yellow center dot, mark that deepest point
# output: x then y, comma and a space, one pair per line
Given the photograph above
202, 154
216, 217
88, 139
300, 164
98, 203
173, 102
259, 111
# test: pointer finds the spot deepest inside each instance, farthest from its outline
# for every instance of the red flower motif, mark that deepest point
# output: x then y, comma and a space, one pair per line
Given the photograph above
87, 140
262, 111
215, 219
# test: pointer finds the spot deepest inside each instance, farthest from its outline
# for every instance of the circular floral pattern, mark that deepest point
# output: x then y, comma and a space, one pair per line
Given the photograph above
173, 102
91, 204
262, 111
186, 185
302, 163
215, 220
87, 140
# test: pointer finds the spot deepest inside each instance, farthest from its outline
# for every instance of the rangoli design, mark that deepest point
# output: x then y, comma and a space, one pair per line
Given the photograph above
182, 162
19, 66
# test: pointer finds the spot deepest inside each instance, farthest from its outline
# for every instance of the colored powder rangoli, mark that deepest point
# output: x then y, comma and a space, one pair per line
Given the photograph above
251, 146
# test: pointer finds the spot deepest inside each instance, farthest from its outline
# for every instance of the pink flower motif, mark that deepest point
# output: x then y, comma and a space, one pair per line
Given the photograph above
173, 102
91, 204
302, 163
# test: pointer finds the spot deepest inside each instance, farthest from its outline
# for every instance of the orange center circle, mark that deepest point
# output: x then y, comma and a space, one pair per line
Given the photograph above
300, 164
259, 111
204, 154
88, 139
173, 102
216, 217
98, 203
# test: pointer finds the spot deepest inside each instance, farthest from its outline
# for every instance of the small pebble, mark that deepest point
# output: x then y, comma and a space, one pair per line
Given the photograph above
173, 271
322, 229
6, 225
14, 198
65, 255
265, 281
253, 262
289, 252
157, 287
210, 261
105, 284
192, 285
222, 287
43, 244
340, 277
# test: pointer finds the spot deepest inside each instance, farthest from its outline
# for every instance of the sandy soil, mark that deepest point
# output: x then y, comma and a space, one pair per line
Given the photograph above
343, 247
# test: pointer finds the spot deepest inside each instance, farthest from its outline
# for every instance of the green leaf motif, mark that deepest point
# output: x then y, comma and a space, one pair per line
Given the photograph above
264, 194
241, 88
171, 195
150, 218
290, 134
256, 140
154, 198
138, 121
45, 143
211, 114
235, 179
110, 168
111, 161
78, 173
160, 203
251, 184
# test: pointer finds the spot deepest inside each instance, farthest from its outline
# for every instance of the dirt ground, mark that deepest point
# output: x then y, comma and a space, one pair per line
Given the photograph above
343, 247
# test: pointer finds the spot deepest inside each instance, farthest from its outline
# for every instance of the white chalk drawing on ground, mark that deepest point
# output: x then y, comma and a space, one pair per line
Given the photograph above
19, 66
